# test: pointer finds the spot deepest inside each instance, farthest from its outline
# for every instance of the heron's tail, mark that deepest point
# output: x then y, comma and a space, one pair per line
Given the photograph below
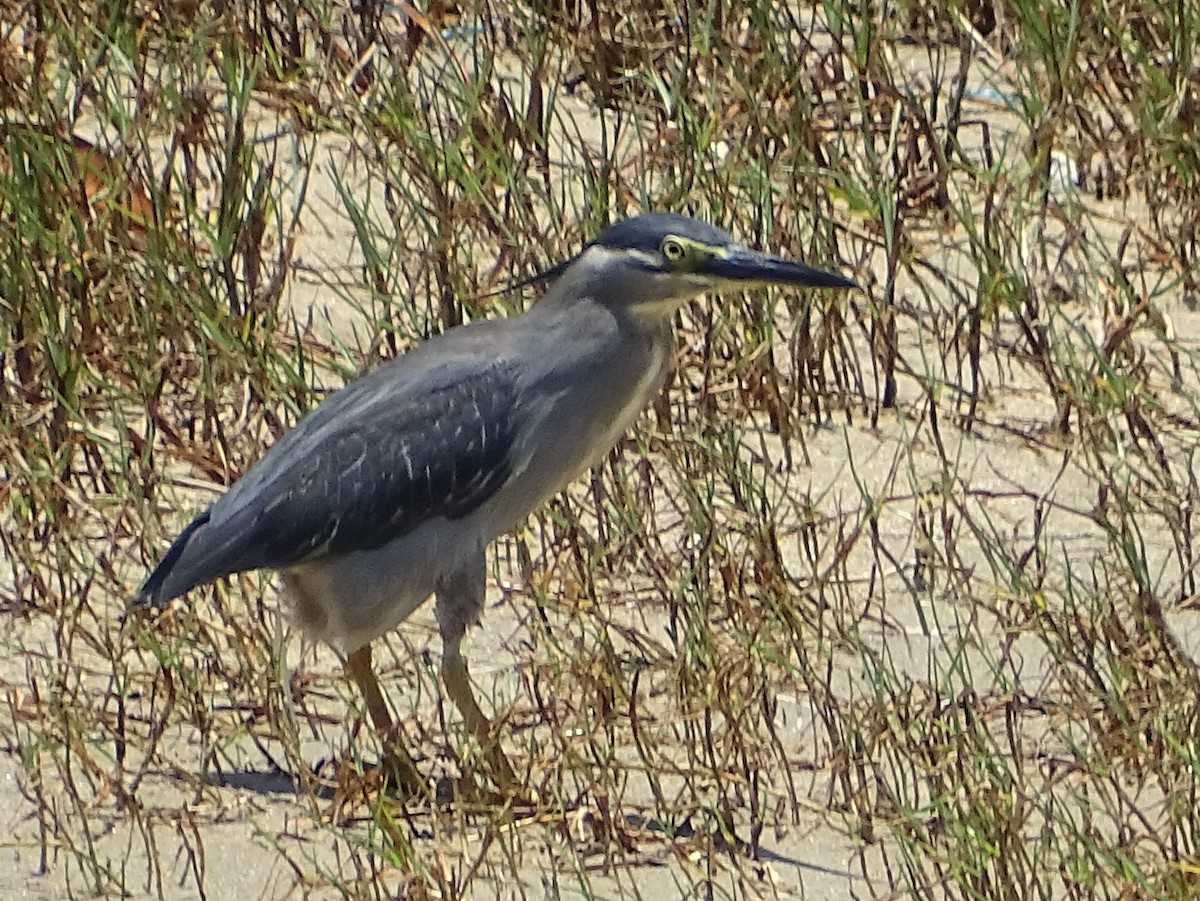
159, 587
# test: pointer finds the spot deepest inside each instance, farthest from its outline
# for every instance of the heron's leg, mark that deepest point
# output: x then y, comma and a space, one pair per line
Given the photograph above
458, 686
460, 598
397, 764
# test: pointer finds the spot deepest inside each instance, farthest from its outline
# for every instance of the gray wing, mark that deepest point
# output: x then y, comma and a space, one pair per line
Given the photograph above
367, 466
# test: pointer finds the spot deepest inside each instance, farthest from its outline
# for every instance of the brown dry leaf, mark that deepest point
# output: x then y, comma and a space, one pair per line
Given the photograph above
99, 184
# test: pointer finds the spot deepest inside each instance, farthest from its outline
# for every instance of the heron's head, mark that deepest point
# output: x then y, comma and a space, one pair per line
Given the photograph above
649, 264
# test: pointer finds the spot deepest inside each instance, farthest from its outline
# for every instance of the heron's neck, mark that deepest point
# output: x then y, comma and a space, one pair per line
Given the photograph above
576, 295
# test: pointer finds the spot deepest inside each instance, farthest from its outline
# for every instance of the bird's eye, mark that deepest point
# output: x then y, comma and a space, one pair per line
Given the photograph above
672, 250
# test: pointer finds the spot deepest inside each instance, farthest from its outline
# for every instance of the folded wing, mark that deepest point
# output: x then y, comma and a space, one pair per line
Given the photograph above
367, 467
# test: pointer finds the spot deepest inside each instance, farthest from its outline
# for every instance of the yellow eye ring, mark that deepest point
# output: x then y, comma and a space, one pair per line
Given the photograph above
672, 250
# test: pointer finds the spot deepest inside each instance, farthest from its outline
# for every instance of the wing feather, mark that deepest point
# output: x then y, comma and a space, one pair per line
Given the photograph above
363, 470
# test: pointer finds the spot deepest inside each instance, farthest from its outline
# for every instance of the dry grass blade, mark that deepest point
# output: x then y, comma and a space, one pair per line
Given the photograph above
888, 597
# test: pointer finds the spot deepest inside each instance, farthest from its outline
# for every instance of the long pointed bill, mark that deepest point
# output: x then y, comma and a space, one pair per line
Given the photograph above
751, 267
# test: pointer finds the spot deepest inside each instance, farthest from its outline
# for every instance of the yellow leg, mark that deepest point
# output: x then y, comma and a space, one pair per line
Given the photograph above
458, 687
397, 764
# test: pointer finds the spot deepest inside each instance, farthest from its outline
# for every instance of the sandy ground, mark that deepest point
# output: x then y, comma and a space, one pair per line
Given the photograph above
247, 833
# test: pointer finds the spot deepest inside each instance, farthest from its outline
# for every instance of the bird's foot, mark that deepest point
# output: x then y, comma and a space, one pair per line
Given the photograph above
400, 778
472, 791
508, 789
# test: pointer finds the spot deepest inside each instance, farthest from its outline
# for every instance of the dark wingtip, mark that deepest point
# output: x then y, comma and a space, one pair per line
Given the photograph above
840, 281
152, 593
